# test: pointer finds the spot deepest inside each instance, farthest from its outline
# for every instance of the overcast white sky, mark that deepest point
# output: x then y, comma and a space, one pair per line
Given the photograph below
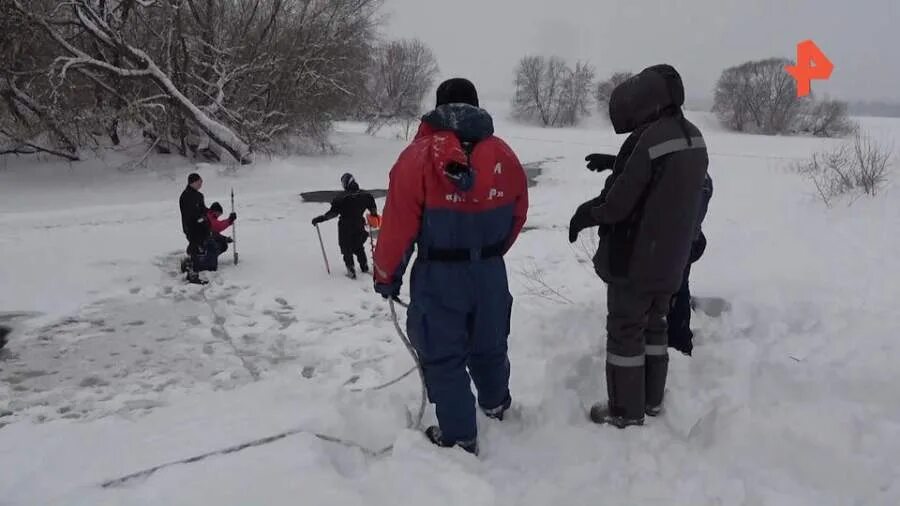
483, 39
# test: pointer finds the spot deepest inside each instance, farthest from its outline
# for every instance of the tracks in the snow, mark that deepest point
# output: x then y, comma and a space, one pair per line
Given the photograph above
221, 332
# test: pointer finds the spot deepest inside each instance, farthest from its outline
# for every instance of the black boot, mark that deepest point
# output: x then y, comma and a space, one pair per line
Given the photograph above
625, 388
434, 435
186, 265
601, 414
194, 279
498, 412
657, 369
351, 273
4, 333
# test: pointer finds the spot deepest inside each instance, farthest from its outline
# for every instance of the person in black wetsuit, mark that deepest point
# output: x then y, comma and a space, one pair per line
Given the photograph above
350, 206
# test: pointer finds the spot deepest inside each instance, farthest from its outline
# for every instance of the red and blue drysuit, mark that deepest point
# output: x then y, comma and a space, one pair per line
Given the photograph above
458, 196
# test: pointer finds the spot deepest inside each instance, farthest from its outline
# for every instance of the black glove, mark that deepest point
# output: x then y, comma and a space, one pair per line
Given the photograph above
697, 248
582, 219
598, 162
317, 220
389, 290
229, 239
232, 217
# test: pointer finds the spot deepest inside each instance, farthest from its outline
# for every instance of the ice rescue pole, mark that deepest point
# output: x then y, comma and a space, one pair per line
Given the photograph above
233, 232
322, 245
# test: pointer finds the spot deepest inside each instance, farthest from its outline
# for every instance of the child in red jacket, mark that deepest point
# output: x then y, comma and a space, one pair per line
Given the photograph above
217, 226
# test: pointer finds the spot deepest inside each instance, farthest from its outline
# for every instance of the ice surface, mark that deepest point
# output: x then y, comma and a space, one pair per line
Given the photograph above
791, 396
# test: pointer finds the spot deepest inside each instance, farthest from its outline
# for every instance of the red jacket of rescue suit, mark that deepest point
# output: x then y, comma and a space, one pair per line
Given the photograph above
215, 224
426, 207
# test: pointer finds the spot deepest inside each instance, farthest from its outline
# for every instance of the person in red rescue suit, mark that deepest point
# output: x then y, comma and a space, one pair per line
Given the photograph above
458, 196
217, 226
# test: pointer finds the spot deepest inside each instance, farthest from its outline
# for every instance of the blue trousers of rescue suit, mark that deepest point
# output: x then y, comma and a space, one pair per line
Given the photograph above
459, 322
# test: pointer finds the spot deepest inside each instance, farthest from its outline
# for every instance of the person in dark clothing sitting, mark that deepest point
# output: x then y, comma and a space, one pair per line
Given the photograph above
350, 206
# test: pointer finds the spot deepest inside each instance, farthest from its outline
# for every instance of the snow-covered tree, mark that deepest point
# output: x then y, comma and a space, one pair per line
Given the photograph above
551, 93
758, 96
400, 74
576, 97
827, 118
192, 75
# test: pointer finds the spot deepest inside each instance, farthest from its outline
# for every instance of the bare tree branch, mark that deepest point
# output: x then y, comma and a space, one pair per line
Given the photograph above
549, 92
242, 74
859, 166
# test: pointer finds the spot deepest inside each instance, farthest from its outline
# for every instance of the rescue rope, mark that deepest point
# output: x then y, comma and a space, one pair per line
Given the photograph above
243, 446
417, 424
385, 385
413, 354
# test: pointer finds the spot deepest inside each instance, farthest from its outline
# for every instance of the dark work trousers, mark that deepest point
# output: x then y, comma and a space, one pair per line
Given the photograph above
359, 251
637, 359
679, 319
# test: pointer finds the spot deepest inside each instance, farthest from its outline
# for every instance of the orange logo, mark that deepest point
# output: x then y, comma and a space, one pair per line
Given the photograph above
811, 64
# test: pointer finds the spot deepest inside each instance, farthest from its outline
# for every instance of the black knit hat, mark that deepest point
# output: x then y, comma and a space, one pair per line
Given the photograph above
193, 178
216, 207
347, 180
457, 91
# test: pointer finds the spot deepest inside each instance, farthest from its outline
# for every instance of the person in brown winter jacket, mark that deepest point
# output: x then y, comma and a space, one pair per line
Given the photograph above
647, 217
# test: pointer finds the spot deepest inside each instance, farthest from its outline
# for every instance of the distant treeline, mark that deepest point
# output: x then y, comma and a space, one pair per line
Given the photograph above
859, 108
875, 108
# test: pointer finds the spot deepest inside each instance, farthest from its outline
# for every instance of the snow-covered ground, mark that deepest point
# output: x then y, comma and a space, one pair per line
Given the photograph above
791, 397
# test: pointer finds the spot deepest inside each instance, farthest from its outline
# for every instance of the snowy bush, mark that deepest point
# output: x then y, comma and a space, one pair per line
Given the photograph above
760, 97
826, 118
860, 166
548, 91
605, 88
192, 76
400, 74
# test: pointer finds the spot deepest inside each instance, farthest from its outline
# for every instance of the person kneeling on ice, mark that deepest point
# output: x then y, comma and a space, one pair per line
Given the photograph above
350, 205
217, 226
680, 335
650, 214
459, 195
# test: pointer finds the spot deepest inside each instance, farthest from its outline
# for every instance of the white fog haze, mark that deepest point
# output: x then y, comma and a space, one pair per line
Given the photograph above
483, 39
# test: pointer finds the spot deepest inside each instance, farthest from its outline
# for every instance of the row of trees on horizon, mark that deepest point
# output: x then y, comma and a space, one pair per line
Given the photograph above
209, 79
754, 97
